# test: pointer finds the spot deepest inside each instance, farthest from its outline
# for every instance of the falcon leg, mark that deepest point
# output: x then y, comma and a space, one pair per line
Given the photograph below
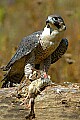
29, 65
47, 63
28, 70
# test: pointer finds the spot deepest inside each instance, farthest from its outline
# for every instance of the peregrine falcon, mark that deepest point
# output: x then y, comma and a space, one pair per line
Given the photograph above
39, 49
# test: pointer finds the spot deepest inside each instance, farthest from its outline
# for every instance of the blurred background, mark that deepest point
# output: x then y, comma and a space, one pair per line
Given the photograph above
19, 18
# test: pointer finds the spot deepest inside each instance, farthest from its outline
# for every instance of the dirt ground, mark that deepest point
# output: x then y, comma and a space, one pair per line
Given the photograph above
57, 102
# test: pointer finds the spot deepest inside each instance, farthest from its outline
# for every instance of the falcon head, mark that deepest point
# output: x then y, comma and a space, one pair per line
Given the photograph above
55, 22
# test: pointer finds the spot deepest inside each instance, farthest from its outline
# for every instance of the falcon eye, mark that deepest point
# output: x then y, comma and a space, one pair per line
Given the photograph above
55, 18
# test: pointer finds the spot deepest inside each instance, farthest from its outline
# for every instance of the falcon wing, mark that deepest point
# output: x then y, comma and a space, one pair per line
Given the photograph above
60, 50
26, 46
15, 68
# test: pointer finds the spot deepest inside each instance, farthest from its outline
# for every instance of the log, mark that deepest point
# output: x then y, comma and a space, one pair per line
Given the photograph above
55, 102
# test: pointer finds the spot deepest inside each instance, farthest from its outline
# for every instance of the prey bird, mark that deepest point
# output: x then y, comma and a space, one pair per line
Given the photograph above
38, 50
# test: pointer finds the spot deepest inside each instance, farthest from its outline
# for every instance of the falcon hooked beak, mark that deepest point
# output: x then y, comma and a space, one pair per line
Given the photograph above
56, 22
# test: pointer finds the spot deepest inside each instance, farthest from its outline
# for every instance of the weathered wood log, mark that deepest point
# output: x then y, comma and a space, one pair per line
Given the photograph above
10, 106
56, 102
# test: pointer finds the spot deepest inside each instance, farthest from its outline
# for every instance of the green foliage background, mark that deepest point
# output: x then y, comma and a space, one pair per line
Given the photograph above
19, 18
